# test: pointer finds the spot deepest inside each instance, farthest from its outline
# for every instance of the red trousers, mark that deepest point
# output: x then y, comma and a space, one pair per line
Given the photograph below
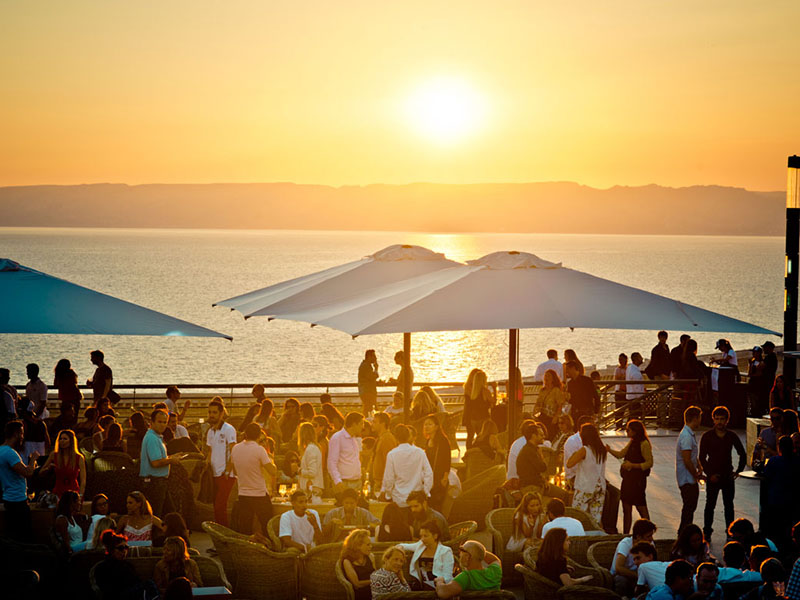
222, 489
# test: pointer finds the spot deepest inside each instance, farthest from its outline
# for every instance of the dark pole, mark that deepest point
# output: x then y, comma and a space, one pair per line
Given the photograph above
407, 382
511, 388
791, 272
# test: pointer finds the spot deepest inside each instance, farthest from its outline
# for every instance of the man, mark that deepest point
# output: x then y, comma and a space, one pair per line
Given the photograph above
677, 582
676, 356
555, 513
660, 363
572, 444
178, 430
620, 398
735, 559
583, 394
250, 463
650, 573
10, 398
154, 462
400, 382
300, 527
173, 397
705, 582
634, 391
480, 570
623, 567
103, 380
513, 453
407, 470
36, 392
531, 468
421, 513
385, 443
340, 521
770, 364
768, 437
550, 363
220, 439
715, 458
368, 382
687, 468
13, 476
344, 454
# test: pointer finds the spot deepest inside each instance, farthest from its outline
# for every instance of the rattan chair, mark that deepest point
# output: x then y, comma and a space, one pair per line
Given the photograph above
113, 461
470, 595
476, 498
273, 530
220, 535
477, 462
499, 525
264, 574
537, 586
460, 533
319, 580
587, 520
578, 550
601, 554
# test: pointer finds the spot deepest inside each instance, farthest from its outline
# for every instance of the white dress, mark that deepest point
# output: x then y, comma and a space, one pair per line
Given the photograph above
311, 474
590, 485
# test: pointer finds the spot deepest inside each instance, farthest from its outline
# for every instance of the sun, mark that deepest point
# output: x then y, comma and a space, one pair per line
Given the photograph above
446, 110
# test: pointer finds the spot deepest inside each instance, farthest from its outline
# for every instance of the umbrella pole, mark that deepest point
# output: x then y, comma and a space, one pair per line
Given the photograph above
511, 387
407, 382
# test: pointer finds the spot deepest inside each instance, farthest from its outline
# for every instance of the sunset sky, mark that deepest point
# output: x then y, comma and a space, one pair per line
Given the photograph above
356, 92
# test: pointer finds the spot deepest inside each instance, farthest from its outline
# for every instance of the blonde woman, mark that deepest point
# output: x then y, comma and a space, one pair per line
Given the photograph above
435, 399
69, 464
527, 522
389, 578
421, 406
176, 563
311, 477
139, 523
478, 400
358, 563
103, 523
550, 401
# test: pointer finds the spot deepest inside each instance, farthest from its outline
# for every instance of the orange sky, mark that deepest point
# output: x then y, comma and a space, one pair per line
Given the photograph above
634, 92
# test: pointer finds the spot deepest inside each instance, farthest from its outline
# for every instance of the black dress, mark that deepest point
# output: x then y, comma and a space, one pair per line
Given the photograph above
634, 481
363, 572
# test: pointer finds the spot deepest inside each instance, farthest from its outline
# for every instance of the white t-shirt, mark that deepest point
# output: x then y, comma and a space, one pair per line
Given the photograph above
572, 526
571, 446
181, 431
634, 391
171, 405
624, 548
218, 440
299, 528
248, 458
652, 573
513, 453
546, 366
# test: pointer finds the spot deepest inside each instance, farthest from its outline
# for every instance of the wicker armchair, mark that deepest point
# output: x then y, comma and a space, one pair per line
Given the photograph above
460, 533
578, 550
378, 549
476, 498
477, 462
537, 586
273, 529
498, 523
471, 595
601, 554
269, 575
112, 461
587, 520
319, 580
220, 535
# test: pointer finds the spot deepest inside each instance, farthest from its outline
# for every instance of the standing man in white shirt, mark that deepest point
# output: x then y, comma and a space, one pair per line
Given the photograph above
300, 527
344, 454
513, 453
407, 470
634, 391
36, 392
687, 465
250, 462
220, 440
550, 363
571, 446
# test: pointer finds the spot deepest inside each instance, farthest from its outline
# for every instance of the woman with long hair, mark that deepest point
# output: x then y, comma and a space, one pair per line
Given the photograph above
394, 525
175, 563
266, 418
551, 562
65, 380
566, 428
430, 558
590, 478
67, 529
421, 406
139, 523
478, 400
780, 395
311, 477
571, 356
637, 460
691, 546
549, 402
114, 441
437, 449
335, 418
358, 563
527, 522
435, 399
93, 536
290, 419
69, 464
101, 508
691, 368
390, 577
487, 441
174, 525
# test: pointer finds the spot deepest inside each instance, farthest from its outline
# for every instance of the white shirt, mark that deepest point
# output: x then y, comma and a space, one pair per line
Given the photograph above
181, 431
572, 526
218, 440
571, 446
299, 528
624, 548
634, 390
171, 405
407, 470
652, 573
443, 560
311, 469
513, 453
249, 458
344, 456
546, 366
36, 392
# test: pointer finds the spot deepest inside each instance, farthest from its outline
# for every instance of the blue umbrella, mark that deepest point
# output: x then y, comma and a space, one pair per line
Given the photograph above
34, 302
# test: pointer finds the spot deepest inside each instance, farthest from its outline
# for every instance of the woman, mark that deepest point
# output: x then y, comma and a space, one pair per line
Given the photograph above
691, 368
90, 424
435, 400
290, 468
93, 537
394, 525
421, 406
430, 559
114, 441
566, 428
137, 428
691, 546
139, 523
65, 380
290, 419
358, 563
335, 418
306, 412
550, 401
781, 476
780, 395
527, 523
478, 401
68, 531
101, 509
570, 356
115, 576
487, 441
266, 418
310, 478
174, 525
590, 477
551, 561
637, 460
437, 449
390, 577
176, 563
69, 464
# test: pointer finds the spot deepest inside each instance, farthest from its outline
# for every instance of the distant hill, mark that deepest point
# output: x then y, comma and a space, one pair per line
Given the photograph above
559, 207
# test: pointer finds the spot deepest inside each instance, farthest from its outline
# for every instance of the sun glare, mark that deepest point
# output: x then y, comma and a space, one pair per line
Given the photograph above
446, 110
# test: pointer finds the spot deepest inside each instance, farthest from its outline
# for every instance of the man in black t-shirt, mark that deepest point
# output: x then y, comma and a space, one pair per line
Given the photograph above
676, 356
583, 394
660, 359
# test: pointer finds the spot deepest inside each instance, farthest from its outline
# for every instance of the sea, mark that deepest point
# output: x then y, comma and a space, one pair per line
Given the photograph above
182, 272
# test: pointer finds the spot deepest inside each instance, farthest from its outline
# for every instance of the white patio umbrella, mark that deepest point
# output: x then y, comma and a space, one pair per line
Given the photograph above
34, 302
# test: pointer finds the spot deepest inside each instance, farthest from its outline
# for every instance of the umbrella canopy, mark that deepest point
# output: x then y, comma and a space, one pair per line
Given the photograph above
327, 292
513, 290
34, 302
